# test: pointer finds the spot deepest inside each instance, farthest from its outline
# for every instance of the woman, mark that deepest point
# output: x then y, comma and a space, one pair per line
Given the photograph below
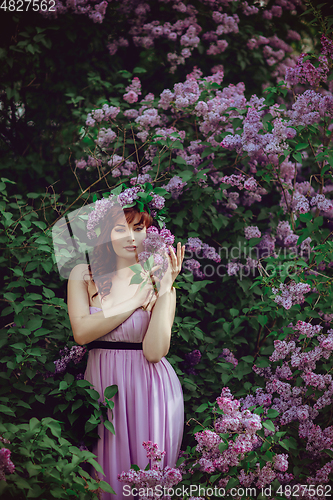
149, 403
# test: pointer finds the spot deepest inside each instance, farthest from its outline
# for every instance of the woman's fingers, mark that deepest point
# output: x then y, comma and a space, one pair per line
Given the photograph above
177, 260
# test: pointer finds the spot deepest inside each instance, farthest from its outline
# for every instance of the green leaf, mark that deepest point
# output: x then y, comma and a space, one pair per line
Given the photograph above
77, 404
269, 425
186, 175
262, 319
177, 145
110, 391
103, 484
6, 410
53, 425
138, 70
233, 481
272, 413
297, 157
301, 146
98, 467
136, 279
49, 294
34, 324
109, 426
223, 446
201, 408
248, 359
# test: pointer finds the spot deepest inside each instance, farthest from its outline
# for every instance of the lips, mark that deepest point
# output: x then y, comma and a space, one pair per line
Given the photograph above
130, 248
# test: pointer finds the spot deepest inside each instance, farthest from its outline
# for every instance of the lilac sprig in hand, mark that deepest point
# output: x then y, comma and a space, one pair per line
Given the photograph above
161, 263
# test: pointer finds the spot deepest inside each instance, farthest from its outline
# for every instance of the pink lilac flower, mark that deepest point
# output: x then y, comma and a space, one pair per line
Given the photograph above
194, 266
175, 186
105, 136
265, 476
305, 72
327, 46
130, 97
252, 232
74, 354
291, 294
81, 163
307, 329
281, 462
6, 465
229, 357
321, 202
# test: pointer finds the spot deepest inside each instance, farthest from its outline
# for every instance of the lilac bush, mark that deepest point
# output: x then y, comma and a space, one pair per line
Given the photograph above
241, 171
262, 169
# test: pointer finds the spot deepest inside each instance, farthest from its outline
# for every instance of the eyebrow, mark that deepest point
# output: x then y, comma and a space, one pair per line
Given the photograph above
137, 224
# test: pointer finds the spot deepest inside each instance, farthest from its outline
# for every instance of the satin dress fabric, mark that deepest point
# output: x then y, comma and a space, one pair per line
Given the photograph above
149, 404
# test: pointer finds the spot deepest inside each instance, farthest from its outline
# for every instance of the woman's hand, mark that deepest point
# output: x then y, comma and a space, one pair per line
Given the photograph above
146, 294
174, 267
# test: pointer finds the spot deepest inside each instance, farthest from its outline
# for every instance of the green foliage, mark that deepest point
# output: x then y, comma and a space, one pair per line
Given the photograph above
46, 450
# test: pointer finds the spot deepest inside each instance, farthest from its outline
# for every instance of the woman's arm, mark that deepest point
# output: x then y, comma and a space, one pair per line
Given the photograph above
156, 343
88, 327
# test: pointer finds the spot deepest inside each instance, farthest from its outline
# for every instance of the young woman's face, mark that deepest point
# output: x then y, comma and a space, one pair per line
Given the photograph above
127, 238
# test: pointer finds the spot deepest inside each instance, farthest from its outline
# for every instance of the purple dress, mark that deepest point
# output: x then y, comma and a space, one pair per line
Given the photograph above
148, 406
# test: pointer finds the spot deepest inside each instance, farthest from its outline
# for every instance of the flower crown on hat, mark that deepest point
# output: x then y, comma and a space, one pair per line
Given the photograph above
143, 195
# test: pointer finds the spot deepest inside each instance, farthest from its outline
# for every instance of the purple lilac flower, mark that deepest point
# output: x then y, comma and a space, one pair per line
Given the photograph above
6, 465
193, 358
157, 202
193, 265
129, 195
327, 46
101, 208
167, 477
74, 354
229, 357
252, 232
175, 186
290, 294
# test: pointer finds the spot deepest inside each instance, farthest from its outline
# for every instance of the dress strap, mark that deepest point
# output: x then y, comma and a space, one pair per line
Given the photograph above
103, 344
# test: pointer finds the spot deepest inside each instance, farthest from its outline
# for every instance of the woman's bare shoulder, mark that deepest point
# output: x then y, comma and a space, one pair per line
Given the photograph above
79, 272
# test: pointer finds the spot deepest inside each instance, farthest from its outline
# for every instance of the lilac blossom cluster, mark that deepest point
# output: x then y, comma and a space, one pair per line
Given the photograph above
155, 244
75, 354
290, 294
166, 477
105, 113
261, 148
241, 426
300, 404
191, 359
306, 72
175, 186
6, 465
216, 453
252, 232
133, 91
95, 11
252, 190
206, 26
228, 356
201, 251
